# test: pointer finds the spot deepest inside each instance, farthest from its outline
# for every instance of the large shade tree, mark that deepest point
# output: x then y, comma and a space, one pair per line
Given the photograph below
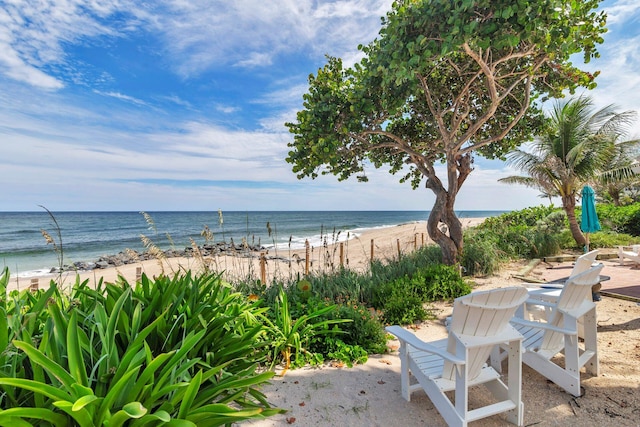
444, 80
579, 144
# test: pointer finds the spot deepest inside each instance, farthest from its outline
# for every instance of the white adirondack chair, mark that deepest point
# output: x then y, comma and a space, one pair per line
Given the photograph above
633, 255
480, 321
549, 293
543, 341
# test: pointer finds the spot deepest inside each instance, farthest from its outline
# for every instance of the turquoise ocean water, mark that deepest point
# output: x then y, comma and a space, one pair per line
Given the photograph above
86, 236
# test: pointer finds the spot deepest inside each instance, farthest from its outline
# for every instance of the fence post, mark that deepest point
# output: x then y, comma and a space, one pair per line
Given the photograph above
263, 268
341, 254
398, 244
422, 239
306, 258
138, 274
415, 242
34, 285
372, 254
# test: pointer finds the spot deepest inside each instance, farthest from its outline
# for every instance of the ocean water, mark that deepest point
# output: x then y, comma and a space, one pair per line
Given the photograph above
86, 236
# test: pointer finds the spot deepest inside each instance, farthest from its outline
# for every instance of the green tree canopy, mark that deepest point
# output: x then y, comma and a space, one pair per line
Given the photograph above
443, 80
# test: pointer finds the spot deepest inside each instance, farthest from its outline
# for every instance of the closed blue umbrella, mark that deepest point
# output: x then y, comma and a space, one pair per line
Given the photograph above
589, 222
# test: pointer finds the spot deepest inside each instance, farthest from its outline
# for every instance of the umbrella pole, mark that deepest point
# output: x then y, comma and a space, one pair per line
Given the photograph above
586, 246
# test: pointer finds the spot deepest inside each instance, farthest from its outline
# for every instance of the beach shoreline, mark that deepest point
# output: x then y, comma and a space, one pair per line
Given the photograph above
280, 264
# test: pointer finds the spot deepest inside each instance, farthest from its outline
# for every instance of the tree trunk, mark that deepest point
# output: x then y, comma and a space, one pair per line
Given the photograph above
450, 239
444, 238
569, 205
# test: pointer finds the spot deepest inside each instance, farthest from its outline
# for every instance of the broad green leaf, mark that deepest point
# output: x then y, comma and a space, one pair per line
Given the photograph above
37, 387
161, 416
13, 422
13, 416
190, 395
83, 401
180, 423
81, 416
74, 352
4, 328
49, 365
115, 393
132, 410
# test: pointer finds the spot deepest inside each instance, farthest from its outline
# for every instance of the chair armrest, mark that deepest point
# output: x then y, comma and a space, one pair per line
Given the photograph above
579, 311
542, 325
533, 301
409, 338
508, 335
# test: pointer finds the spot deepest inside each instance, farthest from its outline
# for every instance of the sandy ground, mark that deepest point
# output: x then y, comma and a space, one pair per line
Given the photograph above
369, 394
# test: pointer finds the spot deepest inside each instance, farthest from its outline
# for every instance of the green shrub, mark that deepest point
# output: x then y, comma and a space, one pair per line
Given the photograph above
443, 282
183, 352
402, 308
620, 219
365, 329
528, 217
480, 256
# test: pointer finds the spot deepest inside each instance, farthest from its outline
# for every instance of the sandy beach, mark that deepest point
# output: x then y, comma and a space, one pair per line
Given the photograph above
369, 394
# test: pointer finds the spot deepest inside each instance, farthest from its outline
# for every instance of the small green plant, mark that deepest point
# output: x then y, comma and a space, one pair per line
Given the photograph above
348, 354
288, 336
443, 282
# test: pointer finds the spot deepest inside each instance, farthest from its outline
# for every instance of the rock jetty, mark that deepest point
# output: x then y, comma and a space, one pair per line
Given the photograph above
130, 256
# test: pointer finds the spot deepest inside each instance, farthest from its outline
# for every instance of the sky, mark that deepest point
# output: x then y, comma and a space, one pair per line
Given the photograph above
180, 105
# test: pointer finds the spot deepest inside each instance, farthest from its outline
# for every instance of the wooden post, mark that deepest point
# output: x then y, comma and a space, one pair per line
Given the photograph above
422, 239
34, 285
306, 258
398, 244
341, 254
372, 250
138, 274
415, 242
263, 268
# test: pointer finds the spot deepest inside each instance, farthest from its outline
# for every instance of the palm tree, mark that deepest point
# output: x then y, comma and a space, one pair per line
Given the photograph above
621, 175
576, 145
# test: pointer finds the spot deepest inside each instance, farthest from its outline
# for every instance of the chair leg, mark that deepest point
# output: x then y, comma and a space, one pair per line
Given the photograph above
495, 358
404, 372
514, 382
592, 365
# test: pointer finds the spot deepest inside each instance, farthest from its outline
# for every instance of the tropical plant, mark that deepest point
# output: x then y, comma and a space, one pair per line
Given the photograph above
578, 143
619, 177
289, 336
137, 356
443, 81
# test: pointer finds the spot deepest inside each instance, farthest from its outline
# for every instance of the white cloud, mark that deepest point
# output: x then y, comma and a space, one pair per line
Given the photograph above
622, 11
121, 96
203, 34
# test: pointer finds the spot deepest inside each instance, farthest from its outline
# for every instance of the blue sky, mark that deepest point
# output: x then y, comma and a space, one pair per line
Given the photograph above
181, 105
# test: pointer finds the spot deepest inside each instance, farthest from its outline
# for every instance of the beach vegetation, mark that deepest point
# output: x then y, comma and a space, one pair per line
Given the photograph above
443, 82
183, 351
578, 144
289, 336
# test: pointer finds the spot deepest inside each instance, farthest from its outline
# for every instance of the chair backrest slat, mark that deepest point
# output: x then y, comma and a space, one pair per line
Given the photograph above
576, 292
483, 314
